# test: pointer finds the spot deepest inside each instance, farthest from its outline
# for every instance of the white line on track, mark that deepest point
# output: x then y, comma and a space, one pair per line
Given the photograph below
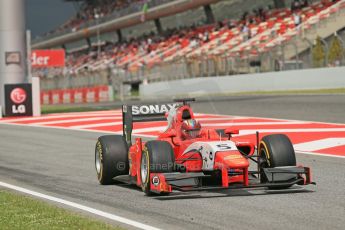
229, 118
320, 144
306, 130
242, 133
320, 154
120, 123
80, 207
117, 114
57, 116
76, 120
150, 129
250, 131
279, 119
115, 118
77, 129
87, 113
255, 123
96, 125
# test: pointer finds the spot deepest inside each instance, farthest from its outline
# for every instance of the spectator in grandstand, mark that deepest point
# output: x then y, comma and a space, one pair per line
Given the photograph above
295, 5
219, 25
231, 24
245, 31
101, 8
328, 2
206, 37
245, 16
122, 53
305, 3
262, 14
193, 43
297, 18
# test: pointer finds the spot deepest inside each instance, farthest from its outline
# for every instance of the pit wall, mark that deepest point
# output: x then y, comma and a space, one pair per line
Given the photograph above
310, 79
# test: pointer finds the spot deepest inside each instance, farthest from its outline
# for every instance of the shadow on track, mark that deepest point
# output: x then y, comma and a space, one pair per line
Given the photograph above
230, 193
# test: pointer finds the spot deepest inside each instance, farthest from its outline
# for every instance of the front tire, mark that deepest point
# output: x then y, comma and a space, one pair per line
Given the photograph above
111, 158
276, 150
157, 157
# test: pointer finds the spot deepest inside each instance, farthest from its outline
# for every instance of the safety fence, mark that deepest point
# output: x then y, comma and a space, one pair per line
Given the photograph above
81, 79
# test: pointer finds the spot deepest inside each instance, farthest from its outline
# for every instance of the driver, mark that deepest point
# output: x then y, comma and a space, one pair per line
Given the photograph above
190, 129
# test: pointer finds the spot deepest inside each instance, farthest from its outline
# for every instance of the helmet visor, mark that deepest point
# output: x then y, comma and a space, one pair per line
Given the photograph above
194, 133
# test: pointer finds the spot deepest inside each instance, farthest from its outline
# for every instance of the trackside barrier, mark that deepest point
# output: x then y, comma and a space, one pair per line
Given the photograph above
81, 95
310, 79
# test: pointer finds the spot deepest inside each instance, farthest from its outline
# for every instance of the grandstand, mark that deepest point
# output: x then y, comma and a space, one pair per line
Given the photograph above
116, 42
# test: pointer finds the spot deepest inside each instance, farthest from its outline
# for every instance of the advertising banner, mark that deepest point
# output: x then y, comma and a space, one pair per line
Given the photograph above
18, 100
48, 58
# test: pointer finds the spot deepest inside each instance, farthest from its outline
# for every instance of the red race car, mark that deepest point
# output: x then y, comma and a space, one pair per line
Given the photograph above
188, 157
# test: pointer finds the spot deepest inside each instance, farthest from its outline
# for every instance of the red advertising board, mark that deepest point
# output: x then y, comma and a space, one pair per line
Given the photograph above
48, 58
80, 95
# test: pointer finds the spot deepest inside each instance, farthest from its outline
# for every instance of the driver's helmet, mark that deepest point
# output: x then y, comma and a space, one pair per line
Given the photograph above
190, 129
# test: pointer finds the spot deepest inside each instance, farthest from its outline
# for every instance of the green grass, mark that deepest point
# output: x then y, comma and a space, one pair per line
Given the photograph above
22, 212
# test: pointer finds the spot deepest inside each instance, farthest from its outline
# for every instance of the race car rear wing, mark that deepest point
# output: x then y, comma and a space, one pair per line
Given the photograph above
143, 113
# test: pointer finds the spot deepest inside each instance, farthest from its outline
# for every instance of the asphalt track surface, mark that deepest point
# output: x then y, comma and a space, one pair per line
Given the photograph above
61, 163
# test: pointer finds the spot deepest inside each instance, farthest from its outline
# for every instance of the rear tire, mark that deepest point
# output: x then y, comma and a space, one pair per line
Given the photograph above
276, 150
157, 157
111, 158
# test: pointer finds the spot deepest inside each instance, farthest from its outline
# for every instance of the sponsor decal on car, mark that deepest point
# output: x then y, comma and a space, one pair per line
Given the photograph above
232, 157
155, 181
208, 150
152, 109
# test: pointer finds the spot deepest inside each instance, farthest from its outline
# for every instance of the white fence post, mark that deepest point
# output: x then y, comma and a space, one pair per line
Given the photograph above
36, 97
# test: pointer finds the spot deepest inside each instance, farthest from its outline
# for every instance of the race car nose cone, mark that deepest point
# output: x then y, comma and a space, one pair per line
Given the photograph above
232, 159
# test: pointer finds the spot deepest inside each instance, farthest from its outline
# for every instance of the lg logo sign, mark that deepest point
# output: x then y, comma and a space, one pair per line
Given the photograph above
18, 96
18, 100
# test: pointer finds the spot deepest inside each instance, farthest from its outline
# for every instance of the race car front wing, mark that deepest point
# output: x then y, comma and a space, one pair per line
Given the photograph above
279, 177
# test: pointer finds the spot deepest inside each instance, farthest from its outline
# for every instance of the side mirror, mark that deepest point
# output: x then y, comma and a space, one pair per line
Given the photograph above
231, 131
169, 133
